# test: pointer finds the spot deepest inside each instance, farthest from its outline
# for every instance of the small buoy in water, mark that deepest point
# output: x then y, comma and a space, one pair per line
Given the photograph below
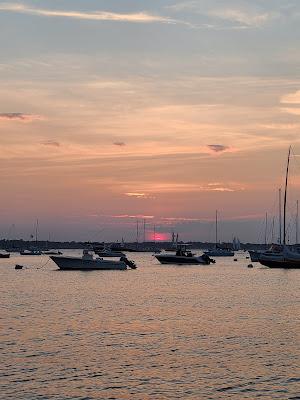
18, 266
250, 266
235, 259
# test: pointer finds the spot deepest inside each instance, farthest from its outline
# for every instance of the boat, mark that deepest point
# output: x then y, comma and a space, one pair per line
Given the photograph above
53, 252
4, 255
219, 251
30, 252
254, 255
87, 262
282, 255
109, 253
183, 256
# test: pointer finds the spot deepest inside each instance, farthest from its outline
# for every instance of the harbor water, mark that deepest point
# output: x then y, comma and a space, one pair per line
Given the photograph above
222, 331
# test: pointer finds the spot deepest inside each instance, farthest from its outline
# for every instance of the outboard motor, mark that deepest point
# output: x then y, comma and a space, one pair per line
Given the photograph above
131, 264
207, 259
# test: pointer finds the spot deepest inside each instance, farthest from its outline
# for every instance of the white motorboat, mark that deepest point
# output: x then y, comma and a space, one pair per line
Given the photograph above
88, 262
183, 256
31, 252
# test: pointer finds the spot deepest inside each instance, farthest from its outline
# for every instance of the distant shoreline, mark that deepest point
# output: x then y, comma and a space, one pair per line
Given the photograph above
43, 245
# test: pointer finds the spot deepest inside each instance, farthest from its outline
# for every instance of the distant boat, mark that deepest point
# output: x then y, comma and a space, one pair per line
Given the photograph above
109, 253
219, 251
30, 252
88, 262
183, 256
282, 256
53, 252
236, 244
4, 255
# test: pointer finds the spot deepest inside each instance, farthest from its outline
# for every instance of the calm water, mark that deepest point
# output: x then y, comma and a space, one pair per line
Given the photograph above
159, 332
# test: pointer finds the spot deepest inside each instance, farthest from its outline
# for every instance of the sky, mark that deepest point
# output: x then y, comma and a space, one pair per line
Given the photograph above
162, 110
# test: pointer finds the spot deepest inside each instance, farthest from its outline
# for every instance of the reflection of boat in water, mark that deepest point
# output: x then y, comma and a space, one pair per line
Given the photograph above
88, 262
183, 256
282, 255
31, 252
4, 255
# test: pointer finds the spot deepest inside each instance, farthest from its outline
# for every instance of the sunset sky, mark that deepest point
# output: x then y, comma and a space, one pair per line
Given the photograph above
165, 110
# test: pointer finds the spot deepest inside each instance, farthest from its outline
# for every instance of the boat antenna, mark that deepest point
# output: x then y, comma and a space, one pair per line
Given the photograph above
285, 196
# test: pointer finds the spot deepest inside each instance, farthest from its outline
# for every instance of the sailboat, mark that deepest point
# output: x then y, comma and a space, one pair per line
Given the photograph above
281, 255
33, 251
219, 251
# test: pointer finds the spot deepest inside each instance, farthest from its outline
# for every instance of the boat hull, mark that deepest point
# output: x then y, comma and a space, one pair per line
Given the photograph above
169, 259
73, 263
254, 255
285, 259
286, 264
4, 255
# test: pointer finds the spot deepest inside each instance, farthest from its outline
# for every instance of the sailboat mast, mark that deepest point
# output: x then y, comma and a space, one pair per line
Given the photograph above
280, 217
137, 231
216, 228
36, 231
266, 229
285, 197
297, 220
273, 222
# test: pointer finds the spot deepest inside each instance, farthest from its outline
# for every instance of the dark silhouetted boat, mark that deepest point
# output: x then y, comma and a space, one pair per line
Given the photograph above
282, 255
4, 255
219, 251
183, 256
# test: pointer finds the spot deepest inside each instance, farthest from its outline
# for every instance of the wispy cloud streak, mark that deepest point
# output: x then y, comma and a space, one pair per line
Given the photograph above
141, 17
19, 117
